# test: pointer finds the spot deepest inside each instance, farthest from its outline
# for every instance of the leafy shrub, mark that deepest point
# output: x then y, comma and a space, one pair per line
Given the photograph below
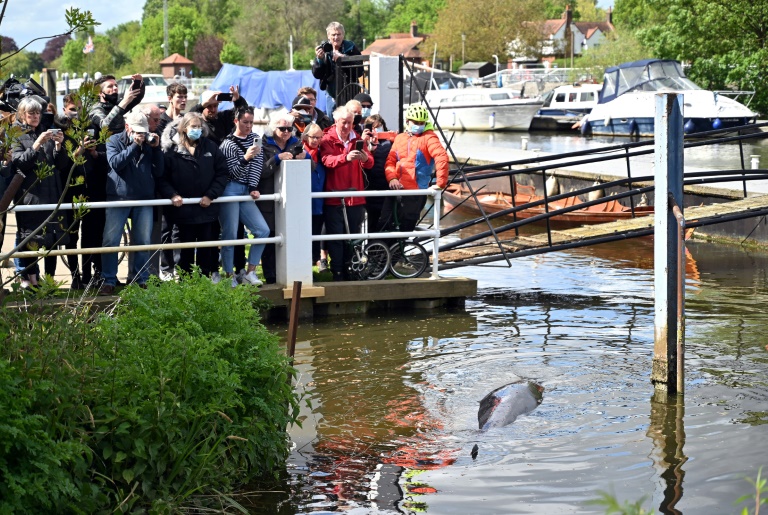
178, 391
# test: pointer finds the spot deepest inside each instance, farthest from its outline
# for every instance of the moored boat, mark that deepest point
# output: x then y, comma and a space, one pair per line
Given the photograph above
626, 104
482, 109
458, 196
565, 106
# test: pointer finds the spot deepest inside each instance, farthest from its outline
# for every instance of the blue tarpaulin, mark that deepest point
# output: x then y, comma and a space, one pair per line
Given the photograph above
261, 89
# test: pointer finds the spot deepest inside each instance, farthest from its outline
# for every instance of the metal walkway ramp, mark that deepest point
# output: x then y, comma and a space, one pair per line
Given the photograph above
558, 240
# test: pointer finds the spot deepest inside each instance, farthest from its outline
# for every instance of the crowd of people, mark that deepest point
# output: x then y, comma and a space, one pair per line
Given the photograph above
159, 151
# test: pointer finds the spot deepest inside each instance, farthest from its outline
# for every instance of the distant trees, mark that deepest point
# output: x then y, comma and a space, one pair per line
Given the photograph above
54, 47
206, 54
8, 45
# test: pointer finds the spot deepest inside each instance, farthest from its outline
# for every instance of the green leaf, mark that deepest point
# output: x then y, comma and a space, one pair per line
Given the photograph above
120, 456
128, 475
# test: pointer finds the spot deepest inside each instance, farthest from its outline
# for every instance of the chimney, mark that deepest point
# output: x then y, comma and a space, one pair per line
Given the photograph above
609, 15
414, 29
568, 15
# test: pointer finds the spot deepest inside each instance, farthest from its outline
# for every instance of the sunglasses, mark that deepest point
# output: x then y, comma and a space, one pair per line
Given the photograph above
284, 129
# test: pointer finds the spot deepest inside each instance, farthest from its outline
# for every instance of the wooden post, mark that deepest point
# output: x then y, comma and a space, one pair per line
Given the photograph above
293, 320
668, 256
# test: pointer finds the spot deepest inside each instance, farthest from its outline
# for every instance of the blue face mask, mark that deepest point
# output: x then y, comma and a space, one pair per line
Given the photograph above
306, 118
417, 129
366, 112
194, 133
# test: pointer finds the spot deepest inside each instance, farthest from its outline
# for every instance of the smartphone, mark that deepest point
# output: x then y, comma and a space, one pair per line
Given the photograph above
136, 84
224, 97
54, 131
368, 127
359, 144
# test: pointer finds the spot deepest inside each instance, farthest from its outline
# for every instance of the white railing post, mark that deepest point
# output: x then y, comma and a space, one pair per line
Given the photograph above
293, 221
437, 207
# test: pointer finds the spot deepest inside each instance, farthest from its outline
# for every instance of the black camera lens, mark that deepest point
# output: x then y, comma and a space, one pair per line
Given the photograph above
327, 48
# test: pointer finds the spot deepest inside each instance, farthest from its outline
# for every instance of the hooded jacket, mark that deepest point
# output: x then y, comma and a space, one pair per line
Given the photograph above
190, 176
132, 168
413, 158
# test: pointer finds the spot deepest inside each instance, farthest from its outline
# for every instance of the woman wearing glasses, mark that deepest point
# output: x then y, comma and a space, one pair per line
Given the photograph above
311, 138
279, 145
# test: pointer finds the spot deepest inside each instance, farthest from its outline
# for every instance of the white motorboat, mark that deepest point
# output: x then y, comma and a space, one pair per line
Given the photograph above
482, 109
627, 106
565, 106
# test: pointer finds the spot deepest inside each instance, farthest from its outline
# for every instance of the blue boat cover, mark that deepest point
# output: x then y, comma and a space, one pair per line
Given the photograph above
266, 89
631, 76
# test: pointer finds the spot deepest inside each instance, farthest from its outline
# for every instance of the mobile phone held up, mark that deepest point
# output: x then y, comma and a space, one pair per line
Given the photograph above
359, 145
224, 97
136, 84
368, 127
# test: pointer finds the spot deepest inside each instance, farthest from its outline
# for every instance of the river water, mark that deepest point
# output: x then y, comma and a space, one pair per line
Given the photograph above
393, 397
389, 423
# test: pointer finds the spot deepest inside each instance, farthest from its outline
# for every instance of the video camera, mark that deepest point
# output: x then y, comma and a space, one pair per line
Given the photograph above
12, 92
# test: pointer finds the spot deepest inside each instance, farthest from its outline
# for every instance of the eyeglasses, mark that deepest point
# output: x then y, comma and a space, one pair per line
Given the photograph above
367, 106
314, 137
284, 129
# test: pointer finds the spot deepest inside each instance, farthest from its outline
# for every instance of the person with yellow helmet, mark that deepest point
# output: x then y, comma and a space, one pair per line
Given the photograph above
415, 155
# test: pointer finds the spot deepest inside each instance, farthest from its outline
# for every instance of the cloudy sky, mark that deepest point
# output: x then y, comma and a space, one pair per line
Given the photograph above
47, 17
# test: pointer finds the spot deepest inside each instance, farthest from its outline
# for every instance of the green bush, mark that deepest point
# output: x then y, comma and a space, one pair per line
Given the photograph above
178, 391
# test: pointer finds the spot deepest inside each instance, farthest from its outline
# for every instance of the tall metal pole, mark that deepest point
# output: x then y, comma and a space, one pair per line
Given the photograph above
290, 52
668, 256
165, 28
463, 41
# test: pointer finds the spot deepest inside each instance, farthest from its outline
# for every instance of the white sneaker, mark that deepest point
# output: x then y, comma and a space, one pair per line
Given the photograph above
215, 278
234, 282
252, 279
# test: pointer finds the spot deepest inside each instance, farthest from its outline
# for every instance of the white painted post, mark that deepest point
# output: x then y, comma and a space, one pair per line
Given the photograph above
293, 221
668, 180
385, 71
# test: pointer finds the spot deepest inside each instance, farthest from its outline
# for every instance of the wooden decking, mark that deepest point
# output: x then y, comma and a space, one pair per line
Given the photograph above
751, 206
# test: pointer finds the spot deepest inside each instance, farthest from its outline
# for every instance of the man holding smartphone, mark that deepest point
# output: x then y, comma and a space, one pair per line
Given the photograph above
220, 122
344, 154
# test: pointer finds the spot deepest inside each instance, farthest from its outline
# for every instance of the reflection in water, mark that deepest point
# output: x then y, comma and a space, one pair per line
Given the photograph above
667, 430
395, 398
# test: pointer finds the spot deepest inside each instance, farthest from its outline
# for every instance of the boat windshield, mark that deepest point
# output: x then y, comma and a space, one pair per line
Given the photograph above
155, 81
654, 75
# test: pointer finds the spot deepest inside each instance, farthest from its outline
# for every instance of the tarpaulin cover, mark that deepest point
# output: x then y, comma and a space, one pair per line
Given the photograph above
261, 89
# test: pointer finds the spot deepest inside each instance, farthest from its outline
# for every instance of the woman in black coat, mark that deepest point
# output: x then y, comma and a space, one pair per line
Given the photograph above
194, 168
34, 148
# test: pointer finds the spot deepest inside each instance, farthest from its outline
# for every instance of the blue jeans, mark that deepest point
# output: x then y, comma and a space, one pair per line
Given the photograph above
141, 233
330, 104
231, 214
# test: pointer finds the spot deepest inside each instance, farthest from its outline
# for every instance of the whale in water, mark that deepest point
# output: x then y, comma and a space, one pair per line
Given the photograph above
502, 406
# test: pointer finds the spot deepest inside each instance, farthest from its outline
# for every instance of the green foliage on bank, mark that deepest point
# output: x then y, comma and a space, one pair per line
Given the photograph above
177, 392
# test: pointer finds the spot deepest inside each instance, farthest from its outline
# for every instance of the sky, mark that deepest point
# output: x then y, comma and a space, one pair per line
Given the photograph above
47, 18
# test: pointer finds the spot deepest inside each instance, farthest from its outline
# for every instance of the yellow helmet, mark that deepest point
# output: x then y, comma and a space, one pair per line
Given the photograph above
417, 113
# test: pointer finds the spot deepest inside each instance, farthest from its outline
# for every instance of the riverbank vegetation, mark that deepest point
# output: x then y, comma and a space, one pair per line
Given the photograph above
174, 394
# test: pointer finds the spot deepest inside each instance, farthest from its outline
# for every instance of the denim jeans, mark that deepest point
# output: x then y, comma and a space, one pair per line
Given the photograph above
141, 234
247, 213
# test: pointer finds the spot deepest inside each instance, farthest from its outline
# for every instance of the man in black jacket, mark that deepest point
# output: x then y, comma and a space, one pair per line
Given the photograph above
220, 123
324, 65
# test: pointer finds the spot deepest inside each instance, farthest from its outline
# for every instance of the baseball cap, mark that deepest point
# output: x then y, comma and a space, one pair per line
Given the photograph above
301, 102
137, 121
209, 97
364, 98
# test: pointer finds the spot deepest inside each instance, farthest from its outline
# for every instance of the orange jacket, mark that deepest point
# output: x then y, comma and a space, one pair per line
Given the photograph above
413, 159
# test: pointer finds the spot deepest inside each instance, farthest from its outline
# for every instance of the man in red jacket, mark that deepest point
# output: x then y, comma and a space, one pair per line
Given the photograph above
344, 154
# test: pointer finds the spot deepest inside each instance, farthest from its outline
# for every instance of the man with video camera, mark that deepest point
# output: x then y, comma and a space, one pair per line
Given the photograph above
324, 64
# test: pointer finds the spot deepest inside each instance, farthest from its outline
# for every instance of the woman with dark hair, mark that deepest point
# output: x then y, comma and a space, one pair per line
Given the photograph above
244, 161
34, 148
376, 179
194, 168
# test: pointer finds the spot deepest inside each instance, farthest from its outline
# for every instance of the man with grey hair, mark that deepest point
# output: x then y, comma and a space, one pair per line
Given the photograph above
324, 64
134, 166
